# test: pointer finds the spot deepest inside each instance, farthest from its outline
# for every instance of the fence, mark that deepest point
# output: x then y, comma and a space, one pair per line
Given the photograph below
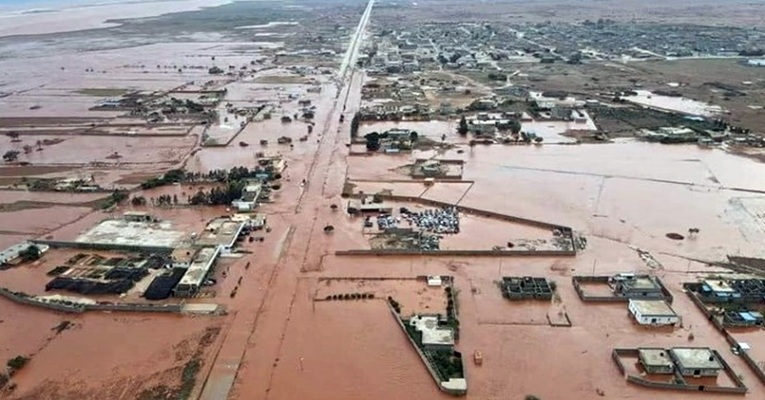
728, 337
456, 253
739, 387
70, 307
578, 279
422, 355
103, 246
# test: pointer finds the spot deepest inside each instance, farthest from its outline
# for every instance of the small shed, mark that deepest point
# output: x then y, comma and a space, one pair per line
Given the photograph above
655, 361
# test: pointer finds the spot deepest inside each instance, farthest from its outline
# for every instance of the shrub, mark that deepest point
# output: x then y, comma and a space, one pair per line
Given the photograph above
17, 363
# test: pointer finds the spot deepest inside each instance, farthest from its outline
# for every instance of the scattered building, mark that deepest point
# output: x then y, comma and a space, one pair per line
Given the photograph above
742, 318
133, 232
249, 200
653, 312
9, 255
636, 286
522, 288
732, 290
366, 205
182, 256
434, 336
222, 233
656, 361
197, 272
138, 216
695, 361
687, 361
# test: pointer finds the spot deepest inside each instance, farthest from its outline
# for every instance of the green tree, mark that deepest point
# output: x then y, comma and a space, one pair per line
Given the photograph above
373, 141
413, 136
515, 126
17, 363
13, 135
11, 155
31, 253
463, 127
355, 126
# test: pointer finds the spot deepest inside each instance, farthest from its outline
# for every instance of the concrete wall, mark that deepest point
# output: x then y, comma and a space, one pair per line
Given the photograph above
25, 299
103, 246
575, 280
728, 337
424, 358
739, 387
21, 298
456, 253
475, 211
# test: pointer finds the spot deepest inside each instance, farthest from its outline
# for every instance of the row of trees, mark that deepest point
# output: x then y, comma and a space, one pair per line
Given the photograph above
162, 200
217, 175
218, 196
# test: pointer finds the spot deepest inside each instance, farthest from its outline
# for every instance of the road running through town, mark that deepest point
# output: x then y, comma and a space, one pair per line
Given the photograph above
257, 330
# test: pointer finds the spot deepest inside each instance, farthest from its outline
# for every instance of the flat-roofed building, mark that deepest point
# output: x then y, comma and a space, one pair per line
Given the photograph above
249, 199
197, 272
719, 286
653, 312
696, 361
138, 216
434, 337
357, 206
123, 234
10, 254
655, 361
222, 233
182, 256
637, 286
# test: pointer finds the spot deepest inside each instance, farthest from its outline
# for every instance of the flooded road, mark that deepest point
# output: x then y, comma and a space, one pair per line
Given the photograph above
276, 342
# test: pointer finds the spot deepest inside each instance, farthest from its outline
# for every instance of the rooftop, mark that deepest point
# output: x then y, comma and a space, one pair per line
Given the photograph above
719, 286
220, 232
432, 334
654, 357
644, 282
695, 358
183, 254
200, 266
133, 233
652, 307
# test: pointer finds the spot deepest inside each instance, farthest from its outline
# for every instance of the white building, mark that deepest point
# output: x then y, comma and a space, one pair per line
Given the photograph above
12, 253
653, 312
433, 336
197, 272
222, 233
249, 199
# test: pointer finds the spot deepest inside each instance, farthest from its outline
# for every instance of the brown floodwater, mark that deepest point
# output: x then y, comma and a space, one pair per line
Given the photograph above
277, 343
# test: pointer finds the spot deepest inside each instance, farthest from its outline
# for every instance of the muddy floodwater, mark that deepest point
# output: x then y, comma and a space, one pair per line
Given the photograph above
283, 335
677, 104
